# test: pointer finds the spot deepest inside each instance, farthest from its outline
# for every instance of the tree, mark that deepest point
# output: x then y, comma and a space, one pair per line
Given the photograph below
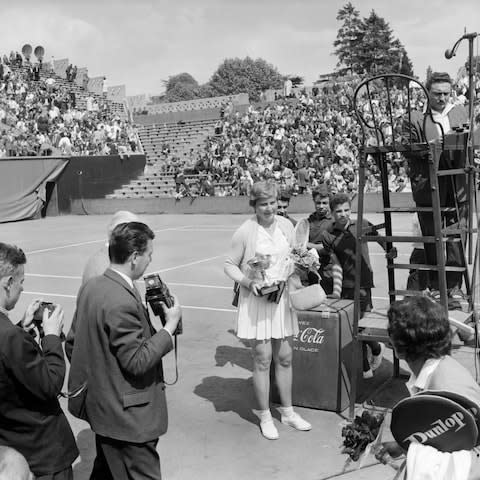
368, 46
181, 87
375, 54
297, 80
246, 75
428, 73
349, 36
400, 57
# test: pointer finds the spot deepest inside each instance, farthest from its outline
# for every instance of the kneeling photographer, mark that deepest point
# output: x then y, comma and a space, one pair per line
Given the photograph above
31, 377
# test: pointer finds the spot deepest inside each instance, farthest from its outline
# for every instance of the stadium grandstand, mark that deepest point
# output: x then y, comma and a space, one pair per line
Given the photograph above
218, 146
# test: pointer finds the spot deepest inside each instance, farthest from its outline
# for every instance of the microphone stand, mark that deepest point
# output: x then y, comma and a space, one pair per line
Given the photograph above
471, 90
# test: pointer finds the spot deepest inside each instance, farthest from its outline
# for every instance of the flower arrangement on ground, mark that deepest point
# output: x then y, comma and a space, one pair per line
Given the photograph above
361, 434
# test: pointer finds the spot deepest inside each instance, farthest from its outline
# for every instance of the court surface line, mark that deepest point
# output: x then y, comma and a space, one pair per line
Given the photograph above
70, 245
196, 262
187, 307
209, 229
44, 294
176, 284
43, 275
199, 285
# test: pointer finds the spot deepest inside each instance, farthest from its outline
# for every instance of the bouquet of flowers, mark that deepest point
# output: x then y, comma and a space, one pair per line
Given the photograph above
305, 261
361, 434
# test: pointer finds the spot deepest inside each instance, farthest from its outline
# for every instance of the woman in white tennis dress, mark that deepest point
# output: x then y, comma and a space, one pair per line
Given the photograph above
268, 325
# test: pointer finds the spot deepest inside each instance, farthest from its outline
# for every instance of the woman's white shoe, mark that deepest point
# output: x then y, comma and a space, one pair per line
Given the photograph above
297, 422
269, 430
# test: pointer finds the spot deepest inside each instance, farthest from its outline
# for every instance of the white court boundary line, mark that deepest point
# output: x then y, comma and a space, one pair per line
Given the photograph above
44, 294
209, 230
196, 262
186, 307
70, 245
42, 275
176, 284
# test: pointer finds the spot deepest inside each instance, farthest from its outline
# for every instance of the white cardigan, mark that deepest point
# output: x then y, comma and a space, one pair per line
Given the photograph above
244, 242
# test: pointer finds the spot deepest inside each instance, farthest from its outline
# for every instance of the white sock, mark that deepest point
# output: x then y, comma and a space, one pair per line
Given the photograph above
265, 415
286, 411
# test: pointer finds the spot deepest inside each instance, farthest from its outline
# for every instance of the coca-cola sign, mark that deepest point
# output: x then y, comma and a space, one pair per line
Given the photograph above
309, 339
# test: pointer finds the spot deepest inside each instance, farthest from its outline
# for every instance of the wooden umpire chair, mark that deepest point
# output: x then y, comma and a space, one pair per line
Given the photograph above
382, 105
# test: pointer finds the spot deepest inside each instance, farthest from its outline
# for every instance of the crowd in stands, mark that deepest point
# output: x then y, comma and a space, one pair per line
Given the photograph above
40, 116
302, 139
301, 142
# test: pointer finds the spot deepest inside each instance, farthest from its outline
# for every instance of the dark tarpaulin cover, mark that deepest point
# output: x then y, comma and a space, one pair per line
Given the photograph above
22, 185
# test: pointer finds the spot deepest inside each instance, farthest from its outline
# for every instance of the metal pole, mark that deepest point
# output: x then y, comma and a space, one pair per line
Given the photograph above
469, 162
469, 154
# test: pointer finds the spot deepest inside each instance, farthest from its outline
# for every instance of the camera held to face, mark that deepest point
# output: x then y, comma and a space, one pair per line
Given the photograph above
157, 292
38, 316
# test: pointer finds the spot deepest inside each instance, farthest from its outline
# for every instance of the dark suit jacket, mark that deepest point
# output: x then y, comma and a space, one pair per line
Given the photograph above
31, 419
114, 348
423, 129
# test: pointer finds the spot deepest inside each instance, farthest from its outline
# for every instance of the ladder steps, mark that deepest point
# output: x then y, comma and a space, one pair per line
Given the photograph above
422, 266
418, 147
417, 209
406, 239
457, 231
453, 171
404, 293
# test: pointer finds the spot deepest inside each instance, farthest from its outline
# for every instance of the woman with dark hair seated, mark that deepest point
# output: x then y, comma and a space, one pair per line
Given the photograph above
420, 334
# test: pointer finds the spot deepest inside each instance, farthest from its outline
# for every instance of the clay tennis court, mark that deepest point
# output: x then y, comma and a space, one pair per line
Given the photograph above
213, 433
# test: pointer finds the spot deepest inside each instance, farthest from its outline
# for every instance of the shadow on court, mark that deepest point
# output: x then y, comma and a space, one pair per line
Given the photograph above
234, 356
229, 395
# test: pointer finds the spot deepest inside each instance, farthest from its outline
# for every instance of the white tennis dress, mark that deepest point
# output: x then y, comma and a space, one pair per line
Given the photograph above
257, 317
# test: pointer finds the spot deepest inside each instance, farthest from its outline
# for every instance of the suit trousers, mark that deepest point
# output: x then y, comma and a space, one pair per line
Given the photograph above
119, 460
454, 251
365, 306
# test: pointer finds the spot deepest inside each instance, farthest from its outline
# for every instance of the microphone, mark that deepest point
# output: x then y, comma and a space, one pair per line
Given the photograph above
449, 54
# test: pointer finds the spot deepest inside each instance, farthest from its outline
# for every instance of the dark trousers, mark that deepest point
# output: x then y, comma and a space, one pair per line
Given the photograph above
454, 255
417, 279
118, 460
66, 474
365, 306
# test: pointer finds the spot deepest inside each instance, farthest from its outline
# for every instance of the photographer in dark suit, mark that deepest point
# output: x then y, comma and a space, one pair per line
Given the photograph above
31, 377
117, 352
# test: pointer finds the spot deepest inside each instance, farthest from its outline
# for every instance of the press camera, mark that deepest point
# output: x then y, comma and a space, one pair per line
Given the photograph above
157, 292
38, 316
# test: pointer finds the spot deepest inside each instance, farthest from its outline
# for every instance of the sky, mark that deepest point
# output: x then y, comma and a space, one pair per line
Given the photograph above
140, 43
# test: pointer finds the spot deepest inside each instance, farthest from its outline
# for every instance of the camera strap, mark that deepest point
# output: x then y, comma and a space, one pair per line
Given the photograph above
175, 348
75, 392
